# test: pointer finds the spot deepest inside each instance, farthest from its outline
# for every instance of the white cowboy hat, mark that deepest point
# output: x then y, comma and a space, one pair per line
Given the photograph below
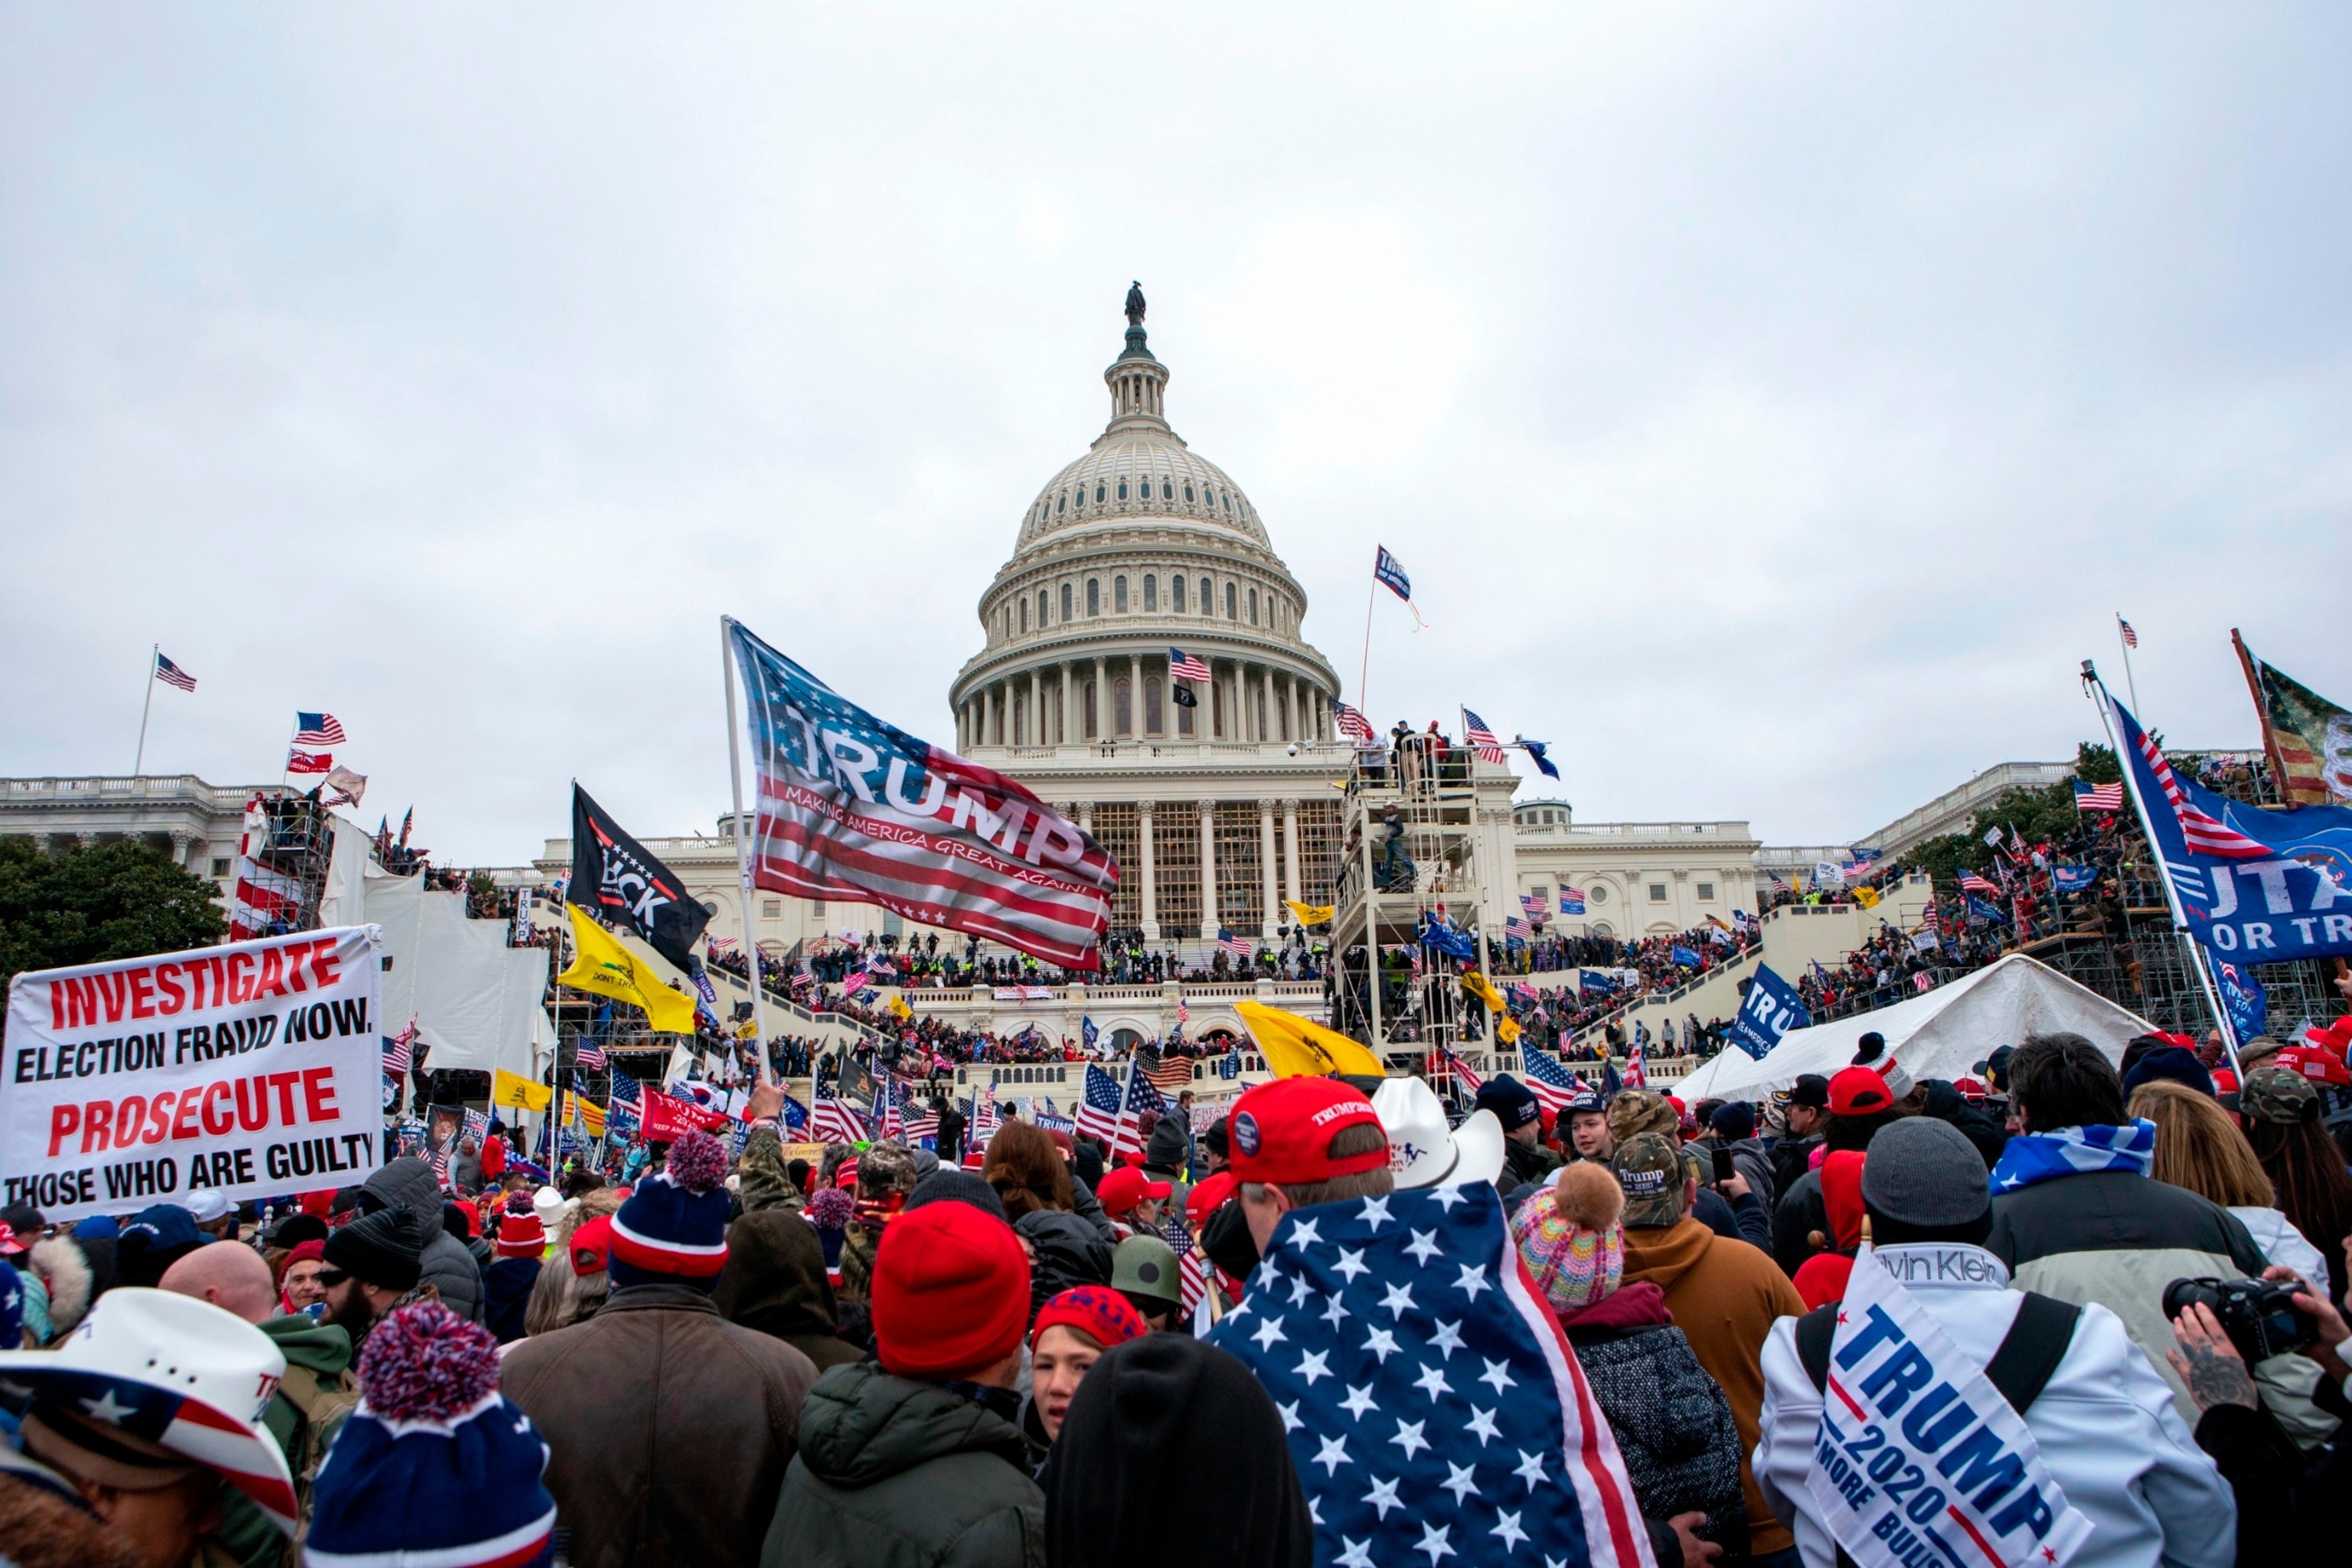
171, 1373
1422, 1151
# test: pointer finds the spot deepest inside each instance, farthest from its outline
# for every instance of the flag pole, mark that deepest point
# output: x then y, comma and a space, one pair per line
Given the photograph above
1364, 671
743, 849
146, 708
2129, 684
2262, 718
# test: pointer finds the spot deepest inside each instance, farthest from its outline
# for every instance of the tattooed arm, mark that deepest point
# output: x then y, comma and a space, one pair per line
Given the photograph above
2209, 1363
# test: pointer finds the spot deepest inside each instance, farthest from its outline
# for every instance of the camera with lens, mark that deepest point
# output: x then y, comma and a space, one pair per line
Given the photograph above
2259, 1316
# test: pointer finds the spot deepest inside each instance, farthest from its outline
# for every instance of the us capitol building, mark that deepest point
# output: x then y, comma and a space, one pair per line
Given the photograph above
1217, 808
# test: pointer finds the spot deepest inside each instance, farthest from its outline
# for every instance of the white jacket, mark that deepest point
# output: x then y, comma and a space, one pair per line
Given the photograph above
2104, 1424
2282, 1243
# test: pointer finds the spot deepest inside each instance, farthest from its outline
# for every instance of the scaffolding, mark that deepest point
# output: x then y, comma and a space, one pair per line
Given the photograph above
290, 837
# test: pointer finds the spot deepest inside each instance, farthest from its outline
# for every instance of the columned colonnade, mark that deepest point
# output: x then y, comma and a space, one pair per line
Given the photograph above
1104, 698
1153, 816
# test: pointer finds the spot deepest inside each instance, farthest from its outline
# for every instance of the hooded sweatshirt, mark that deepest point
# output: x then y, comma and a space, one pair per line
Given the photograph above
1172, 1456
774, 1284
1725, 1296
409, 1183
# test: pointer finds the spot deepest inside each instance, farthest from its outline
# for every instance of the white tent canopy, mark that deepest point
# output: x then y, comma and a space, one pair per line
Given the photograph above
1941, 1034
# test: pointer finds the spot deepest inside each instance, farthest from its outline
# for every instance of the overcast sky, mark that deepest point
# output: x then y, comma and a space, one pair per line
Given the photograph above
1772, 403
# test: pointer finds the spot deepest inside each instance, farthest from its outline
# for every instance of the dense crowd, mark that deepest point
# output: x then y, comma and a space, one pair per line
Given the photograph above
1031, 1352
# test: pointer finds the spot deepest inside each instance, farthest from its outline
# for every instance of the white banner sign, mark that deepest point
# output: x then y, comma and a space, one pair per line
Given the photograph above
249, 1069
1919, 1458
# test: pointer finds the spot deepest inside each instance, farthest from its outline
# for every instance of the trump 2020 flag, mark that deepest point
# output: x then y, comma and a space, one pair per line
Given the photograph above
1432, 1402
856, 810
1771, 1009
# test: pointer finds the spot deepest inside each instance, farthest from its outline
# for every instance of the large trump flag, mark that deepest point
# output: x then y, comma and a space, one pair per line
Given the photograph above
856, 810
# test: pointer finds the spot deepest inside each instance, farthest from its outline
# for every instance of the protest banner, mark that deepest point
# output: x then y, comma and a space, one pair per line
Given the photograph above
666, 1117
247, 1070
1918, 1457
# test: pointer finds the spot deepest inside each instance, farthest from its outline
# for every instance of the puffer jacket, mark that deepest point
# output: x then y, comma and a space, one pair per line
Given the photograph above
668, 1428
1065, 1251
893, 1473
408, 1183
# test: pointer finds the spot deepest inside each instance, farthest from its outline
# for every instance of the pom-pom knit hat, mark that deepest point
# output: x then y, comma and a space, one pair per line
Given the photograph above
1572, 1238
520, 1234
436, 1465
674, 1226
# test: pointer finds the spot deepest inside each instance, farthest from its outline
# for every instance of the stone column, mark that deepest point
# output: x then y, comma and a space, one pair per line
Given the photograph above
179, 842
1266, 903
1135, 696
1294, 708
1168, 724
1143, 810
1290, 851
1102, 700
1087, 815
1208, 870
1273, 713
1037, 708
1068, 732
988, 715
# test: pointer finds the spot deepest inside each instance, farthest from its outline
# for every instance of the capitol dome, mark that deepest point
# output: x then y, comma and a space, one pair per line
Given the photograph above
1138, 548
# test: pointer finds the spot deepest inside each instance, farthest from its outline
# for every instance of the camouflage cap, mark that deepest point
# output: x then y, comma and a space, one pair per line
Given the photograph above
1649, 1166
2277, 1094
1637, 1110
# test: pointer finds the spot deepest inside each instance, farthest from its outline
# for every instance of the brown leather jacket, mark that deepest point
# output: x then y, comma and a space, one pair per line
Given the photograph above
670, 1428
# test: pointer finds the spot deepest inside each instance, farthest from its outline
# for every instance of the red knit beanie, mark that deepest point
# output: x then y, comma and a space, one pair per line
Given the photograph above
950, 1294
1097, 1311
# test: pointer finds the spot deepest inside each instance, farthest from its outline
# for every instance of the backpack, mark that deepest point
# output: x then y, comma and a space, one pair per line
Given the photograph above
2021, 1368
318, 1408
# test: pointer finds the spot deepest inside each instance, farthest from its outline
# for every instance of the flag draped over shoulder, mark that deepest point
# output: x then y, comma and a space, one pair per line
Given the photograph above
1298, 1048
858, 811
602, 966
1432, 1402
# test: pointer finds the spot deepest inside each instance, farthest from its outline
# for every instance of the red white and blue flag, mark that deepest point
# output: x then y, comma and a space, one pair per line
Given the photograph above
1482, 740
1182, 666
2131, 637
1553, 1084
171, 674
1972, 883
1353, 725
589, 1056
301, 762
1463, 1073
317, 729
1239, 947
1099, 1110
856, 810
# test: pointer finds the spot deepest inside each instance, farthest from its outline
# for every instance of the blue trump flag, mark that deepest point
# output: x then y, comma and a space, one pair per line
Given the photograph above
1772, 1009
1682, 955
2253, 886
2073, 879
1597, 980
1353, 1323
1980, 910
2248, 1003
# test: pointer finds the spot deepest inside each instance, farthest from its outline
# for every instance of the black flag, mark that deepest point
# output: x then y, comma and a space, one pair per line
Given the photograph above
613, 875
1183, 696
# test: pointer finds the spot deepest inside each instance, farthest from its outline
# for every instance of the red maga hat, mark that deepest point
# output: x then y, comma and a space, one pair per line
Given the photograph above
1281, 1132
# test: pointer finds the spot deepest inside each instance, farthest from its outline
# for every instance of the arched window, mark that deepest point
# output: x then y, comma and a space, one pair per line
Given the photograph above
1176, 595
1188, 492
1024, 614
1122, 490
1061, 502
1154, 694
1166, 489
1253, 604
1122, 708
1229, 501
1094, 597
1098, 494
1118, 596
1045, 604
1230, 614
1208, 599
1065, 601
1151, 591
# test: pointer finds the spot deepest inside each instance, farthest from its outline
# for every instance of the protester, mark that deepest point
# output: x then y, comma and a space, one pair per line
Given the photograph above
1143, 1270
668, 1426
1298, 1142
1725, 1295
1588, 1126
145, 1412
372, 1266
774, 1284
2073, 1213
297, 1281
1734, 1126
886, 1175
573, 1282
1804, 1116
1524, 1159
919, 1460
452, 1272
2103, 1420
1731, 1211
1860, 1104
1172, 1456
2200, 1148
507, 1284
1069, 1335
1132, 1199
1824, 1276
2281, 1110
1671, 1420
156, 1237
764, 1182
436, 1465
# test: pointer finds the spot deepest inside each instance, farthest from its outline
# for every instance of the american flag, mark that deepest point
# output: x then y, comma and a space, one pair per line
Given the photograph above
2204, 833
1353, 725
1972, 883
1554, 1086
2131, 637
1183, 1012
1169, 1074
1482, 740
318, 730
589, 1056
1140, 1097
981, 1116
1463, 1072
1572, 900
1241, 947
1182, 666
1930, 918
439, 1161
1504, 1449
922, 1123
1636, 1074
1099, 1111
1191, 1272
396, 1048
834, 1120
722, 943
300, 761
1537, 902
1516, 925
171, 674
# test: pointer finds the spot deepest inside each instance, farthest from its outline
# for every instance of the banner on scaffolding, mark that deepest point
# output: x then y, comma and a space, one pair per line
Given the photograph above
244, 1070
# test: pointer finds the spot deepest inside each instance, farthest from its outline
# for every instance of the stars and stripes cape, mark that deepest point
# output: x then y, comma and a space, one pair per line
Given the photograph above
854, 809
1433, 1407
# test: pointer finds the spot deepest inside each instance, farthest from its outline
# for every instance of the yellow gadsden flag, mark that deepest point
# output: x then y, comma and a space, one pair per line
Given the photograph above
900, 1010
605, 967
1866, 897
513, 1089
1299, 1047
1311, 914
1479, 985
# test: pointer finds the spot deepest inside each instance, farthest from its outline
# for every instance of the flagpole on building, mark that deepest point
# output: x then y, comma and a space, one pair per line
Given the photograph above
1364, 671
2129, 684
2163, 874
743, 849
146, 708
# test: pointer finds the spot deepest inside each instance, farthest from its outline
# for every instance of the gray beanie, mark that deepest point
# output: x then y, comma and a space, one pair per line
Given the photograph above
1924, 1173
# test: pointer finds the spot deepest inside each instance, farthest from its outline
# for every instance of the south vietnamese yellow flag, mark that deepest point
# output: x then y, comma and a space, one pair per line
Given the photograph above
1310, 914
584, 1113
604, 967
1299, 1047
517, 1092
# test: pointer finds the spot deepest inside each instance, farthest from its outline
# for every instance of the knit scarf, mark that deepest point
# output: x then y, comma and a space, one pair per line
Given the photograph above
2072, 1150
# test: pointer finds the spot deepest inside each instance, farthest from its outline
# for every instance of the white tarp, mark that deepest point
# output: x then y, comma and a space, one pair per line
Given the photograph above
1941, 1034
477, 1001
